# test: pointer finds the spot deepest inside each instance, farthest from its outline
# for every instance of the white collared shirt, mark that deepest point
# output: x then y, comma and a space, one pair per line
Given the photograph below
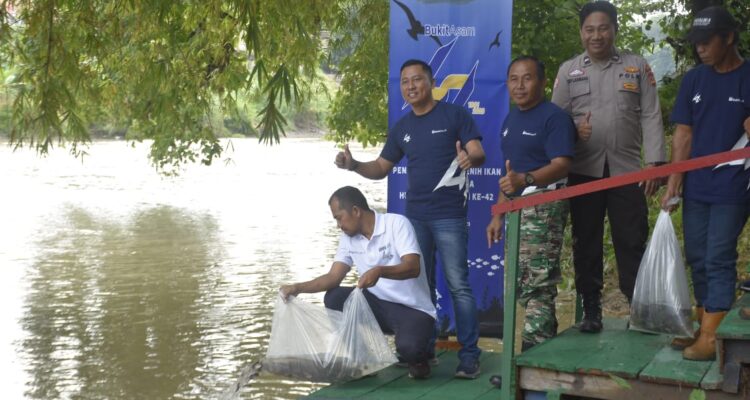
392, 237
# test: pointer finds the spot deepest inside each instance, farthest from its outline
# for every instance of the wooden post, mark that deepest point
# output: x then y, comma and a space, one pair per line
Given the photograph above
508, 361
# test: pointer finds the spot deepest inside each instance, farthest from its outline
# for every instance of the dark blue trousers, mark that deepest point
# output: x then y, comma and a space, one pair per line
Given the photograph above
412, 328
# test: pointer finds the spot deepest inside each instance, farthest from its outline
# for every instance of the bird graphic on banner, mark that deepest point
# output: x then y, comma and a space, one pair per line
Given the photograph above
416, 27
496, 42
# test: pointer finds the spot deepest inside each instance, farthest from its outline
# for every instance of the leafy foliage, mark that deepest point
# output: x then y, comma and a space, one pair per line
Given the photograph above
697, 394
547, 29
676, 17
158, 68
360, 109
162, 71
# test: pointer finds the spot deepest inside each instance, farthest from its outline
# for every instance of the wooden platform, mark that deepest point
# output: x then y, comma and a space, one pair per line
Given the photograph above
614, 364
733, 337
617, 364
393, 383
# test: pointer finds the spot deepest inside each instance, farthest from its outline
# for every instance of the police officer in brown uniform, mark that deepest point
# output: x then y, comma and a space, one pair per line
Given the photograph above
611, 95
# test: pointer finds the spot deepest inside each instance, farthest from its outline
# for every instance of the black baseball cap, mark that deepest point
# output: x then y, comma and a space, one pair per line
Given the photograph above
710, 21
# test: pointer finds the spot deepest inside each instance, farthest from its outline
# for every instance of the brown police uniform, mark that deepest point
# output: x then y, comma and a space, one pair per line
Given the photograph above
625, 117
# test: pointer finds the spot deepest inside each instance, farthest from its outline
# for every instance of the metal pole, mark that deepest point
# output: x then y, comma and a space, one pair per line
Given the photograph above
508, 361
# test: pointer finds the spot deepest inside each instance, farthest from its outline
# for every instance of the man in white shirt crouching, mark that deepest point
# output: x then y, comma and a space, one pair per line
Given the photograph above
385, 251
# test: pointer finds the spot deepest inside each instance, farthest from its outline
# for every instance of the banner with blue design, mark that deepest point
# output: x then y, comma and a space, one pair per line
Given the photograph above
467, 44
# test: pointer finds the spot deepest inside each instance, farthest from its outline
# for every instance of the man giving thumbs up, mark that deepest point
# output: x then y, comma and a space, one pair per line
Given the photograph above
440, 142
538, 142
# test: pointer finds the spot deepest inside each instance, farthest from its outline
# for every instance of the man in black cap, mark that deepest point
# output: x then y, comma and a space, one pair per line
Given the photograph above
712, 115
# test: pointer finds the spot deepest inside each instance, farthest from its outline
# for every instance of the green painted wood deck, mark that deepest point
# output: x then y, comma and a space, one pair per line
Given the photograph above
620, 352
623, 362
734, 327
668, 366
393, 383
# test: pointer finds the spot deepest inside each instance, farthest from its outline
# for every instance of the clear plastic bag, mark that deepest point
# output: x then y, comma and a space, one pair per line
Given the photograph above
317, 344
661, 301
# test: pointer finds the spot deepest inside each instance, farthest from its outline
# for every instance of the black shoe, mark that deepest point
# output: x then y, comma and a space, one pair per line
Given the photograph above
592, 314
419, 370
526, 345
431, 359
590, 326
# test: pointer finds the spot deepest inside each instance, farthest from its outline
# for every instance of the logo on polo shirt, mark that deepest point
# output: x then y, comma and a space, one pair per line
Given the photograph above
735, 100
528, 133
386, 251
505, 132
697, 98
407, 138
434, 131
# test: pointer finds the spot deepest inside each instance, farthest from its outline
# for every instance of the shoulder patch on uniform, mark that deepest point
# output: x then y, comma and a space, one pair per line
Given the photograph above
650, 75
576, 72
631, 69
557, 81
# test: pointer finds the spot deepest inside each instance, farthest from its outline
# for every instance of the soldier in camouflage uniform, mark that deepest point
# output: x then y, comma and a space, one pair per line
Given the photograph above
538, 140
542, 229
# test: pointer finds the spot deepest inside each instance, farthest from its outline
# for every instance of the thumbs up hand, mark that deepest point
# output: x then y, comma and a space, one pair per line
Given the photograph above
583, 126
512, 181
462, 156
344, 159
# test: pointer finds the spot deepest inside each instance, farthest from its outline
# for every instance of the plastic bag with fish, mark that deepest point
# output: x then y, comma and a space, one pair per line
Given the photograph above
661, 301
317, 344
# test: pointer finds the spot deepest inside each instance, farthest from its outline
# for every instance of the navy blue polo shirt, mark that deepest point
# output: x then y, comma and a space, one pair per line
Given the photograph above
531, 138
715, 105
429, 143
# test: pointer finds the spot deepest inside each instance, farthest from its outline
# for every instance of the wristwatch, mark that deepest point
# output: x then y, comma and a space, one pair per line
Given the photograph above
529, 179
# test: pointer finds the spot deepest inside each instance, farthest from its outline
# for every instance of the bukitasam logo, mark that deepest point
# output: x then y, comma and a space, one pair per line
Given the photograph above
455, 88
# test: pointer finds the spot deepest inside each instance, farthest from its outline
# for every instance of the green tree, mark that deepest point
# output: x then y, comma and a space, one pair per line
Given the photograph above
547, 29
160, 69
157, 67
675, 17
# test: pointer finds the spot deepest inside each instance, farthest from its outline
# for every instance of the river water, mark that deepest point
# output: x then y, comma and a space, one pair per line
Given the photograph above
119, 283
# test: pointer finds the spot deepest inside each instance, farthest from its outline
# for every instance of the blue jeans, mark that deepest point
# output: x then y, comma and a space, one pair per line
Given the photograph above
711, 232
450, 238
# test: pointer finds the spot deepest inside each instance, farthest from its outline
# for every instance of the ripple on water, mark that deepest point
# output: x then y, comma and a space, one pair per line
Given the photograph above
123, 284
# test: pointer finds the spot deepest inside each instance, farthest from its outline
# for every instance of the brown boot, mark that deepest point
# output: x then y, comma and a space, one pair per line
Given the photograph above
704, 349
681, 343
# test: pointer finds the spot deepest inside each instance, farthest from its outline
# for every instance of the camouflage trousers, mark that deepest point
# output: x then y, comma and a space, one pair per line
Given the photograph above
541, 240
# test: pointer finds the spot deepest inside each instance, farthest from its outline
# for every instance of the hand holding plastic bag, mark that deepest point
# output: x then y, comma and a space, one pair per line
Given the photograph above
314, 343
661, 301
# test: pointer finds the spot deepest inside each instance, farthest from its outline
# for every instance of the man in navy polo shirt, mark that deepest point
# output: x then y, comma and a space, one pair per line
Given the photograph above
712, 114
440, 141
538, 142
